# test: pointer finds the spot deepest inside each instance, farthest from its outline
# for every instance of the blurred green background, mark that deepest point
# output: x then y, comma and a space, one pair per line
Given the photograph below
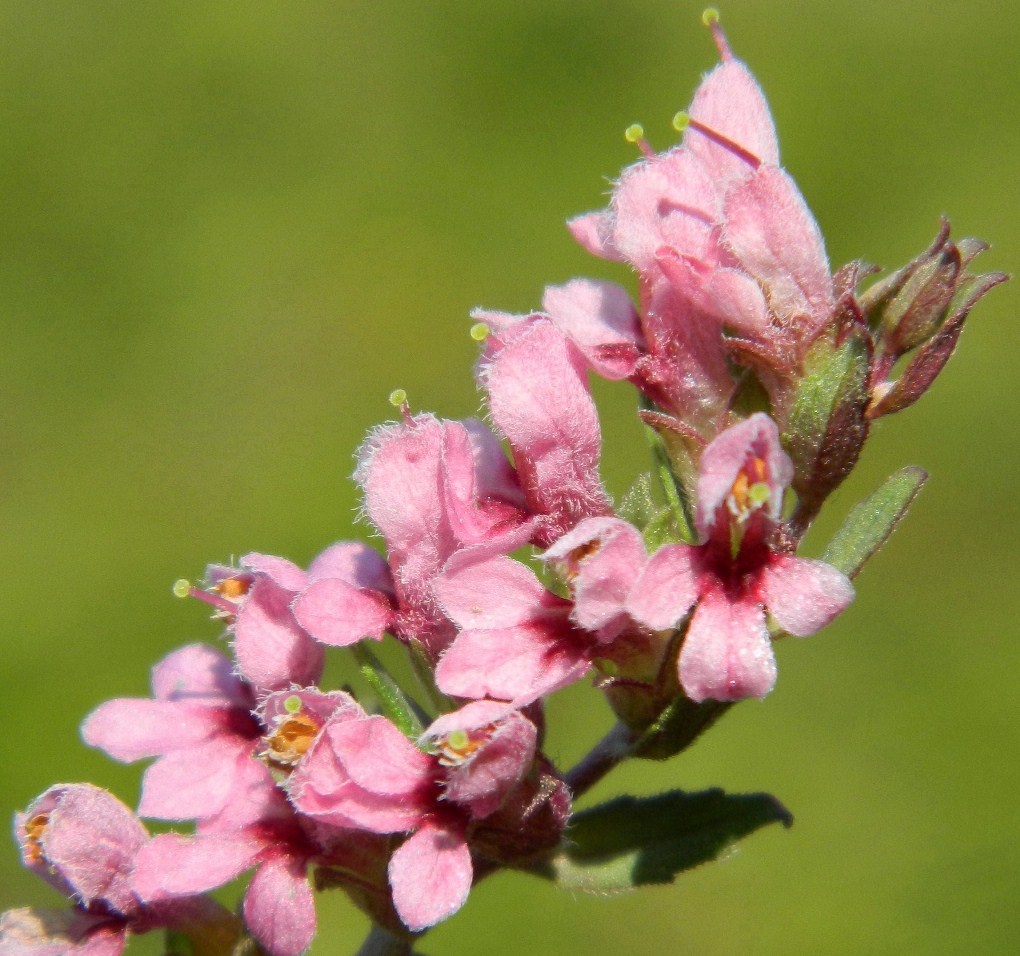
229, 230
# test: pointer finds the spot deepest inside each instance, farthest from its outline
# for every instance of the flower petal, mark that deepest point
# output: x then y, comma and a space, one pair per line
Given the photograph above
518, 664
199, 674
601, 559
772, 232
730, 101
279, 907
130, 729
430, 875
340, 614
804, 595
272, 651
539, 399
194, 783
727, 654
666, 588
172, 864
498, 592
599, 318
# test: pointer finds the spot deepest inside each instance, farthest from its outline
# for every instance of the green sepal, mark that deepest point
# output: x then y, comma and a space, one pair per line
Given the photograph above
826, 426
636, 841
393, 702
873, 520
658, 524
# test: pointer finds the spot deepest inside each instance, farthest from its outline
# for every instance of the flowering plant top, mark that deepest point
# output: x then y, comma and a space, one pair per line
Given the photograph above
505, 577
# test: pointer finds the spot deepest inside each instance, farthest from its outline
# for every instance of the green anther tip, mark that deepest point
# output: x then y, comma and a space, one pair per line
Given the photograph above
458, 739
292, 704
479, 332
710, 17
398, 397
182, 588
759, 493
681, 121
634, 132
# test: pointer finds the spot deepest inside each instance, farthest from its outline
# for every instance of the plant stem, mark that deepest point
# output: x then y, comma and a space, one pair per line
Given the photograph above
615, 747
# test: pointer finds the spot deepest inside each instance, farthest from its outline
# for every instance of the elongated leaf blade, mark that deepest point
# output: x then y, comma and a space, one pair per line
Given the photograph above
872, 521
636, 841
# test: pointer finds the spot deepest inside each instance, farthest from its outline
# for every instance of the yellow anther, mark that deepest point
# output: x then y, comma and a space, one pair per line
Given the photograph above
479, 332
182, 588
710, 17
398, 398
681, 121
292, 704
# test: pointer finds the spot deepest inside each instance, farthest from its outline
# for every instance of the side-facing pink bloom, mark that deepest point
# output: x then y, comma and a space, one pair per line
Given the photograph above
737, 572
363, 773
198, 724
536, 380
432, 488
273, 652
258, 829
729, 258
84, 842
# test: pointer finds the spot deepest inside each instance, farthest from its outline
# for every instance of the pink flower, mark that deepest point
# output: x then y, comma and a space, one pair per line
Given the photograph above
737, 573
432, 488
258, 829
85, 842
536, 380
363, 773
199, 725
273, 652
730, 260
516, 642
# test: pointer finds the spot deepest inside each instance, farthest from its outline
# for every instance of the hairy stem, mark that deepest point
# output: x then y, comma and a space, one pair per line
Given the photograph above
611, 750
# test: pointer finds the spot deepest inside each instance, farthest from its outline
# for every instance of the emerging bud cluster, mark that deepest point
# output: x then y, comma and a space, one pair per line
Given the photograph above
758, 371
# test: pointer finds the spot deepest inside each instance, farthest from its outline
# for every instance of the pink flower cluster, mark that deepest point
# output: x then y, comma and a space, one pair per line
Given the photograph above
306, 788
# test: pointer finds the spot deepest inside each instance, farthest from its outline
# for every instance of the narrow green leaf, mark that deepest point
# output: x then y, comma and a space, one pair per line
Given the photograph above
394, 702
872, 521
635, 841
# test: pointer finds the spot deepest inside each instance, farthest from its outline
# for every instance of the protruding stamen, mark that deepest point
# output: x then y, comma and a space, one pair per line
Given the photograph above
711, 20
398, 399
635, 133
479, 331
720, 140
219, 596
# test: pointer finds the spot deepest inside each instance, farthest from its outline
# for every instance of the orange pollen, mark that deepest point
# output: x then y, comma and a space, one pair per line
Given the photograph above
577, 556
743, 497
739, 492
289, 742
33, 837
232, 588
458, 747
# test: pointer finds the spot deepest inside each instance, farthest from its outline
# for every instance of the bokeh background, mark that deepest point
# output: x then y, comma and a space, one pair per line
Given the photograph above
229, 230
